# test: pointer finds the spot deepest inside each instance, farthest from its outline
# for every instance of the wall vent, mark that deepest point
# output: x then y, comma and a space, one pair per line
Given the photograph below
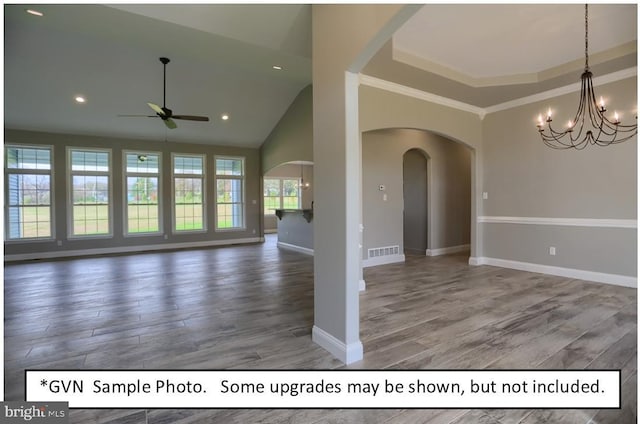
384, 251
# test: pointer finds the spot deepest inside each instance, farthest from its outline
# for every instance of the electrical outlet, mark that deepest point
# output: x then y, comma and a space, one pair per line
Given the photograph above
485, 195
384, 197
552, 251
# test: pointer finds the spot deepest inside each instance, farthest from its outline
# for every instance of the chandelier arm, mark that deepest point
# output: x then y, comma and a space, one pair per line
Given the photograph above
558, 138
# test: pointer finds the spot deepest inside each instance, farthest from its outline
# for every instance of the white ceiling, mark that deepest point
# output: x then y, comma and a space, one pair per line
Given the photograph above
495, 40
222, 57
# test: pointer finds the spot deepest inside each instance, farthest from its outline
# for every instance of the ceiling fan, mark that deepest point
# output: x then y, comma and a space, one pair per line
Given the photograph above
165, 113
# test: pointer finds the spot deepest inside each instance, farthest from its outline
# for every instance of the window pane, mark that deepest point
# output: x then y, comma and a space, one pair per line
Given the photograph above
229, 167
188, 165
143, 163
272, 187
90, 219
142, 205
230, 207
291, 194
28, 158
89, 161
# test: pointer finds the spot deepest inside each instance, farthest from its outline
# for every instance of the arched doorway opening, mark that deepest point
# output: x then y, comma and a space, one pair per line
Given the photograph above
415, 190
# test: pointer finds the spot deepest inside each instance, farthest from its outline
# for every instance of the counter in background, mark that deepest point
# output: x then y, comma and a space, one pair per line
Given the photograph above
295, 229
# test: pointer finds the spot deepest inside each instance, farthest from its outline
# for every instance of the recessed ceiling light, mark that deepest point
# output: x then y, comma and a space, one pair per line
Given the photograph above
80, 99
277, 67
225, 116
34, 12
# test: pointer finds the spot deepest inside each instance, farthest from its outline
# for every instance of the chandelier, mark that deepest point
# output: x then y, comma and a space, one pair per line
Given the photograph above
590, 125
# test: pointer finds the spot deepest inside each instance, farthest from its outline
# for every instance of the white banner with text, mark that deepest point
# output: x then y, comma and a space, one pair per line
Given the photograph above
149, 389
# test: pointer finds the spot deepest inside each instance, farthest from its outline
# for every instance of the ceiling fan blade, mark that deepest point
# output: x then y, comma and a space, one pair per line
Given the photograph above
170, 124
137, 116
157, 109
191, 118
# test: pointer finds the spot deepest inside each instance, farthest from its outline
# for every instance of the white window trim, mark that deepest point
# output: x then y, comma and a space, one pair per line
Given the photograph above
70, 174
50, 172
244, 190
125, 189
203, 177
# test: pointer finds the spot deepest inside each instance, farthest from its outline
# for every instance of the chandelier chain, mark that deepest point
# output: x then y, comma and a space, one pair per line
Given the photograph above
586, 37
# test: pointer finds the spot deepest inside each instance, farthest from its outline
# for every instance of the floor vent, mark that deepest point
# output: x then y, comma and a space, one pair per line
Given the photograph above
384, 251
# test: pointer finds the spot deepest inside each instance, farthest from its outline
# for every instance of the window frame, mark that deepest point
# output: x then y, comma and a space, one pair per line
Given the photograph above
242, 179
70, 174
203, 178
52, 209
125, 189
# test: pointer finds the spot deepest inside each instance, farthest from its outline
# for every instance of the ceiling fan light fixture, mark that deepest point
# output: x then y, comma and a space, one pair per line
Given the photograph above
224, 116
164, 112
80, 99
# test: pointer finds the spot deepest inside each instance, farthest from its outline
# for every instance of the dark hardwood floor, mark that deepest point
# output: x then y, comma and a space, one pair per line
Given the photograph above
252, 307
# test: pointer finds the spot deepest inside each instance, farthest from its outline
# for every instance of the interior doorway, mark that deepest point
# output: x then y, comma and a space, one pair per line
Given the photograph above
415, 194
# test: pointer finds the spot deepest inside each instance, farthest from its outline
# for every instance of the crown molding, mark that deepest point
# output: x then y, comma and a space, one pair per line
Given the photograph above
567, 89
482, 112
419, 94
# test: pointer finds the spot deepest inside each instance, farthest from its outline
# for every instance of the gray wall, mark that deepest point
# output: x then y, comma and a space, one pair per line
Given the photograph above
449, 191
295, 230
291, 171
524, 178
292, 137
253, 194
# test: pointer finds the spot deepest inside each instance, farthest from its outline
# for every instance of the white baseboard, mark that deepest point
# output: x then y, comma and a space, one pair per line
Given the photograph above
474, 261
382, 260
362, 286
346, 353
599, 277
448, 250
128, 249
293, 247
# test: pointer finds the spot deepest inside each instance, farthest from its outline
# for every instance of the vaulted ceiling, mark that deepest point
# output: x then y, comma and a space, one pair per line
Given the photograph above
222, 59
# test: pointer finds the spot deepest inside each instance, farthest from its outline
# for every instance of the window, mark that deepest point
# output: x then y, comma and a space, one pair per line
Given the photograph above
272, 197
90, 175
29, 200
188, 193
142, 174
229, 193
281, 193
